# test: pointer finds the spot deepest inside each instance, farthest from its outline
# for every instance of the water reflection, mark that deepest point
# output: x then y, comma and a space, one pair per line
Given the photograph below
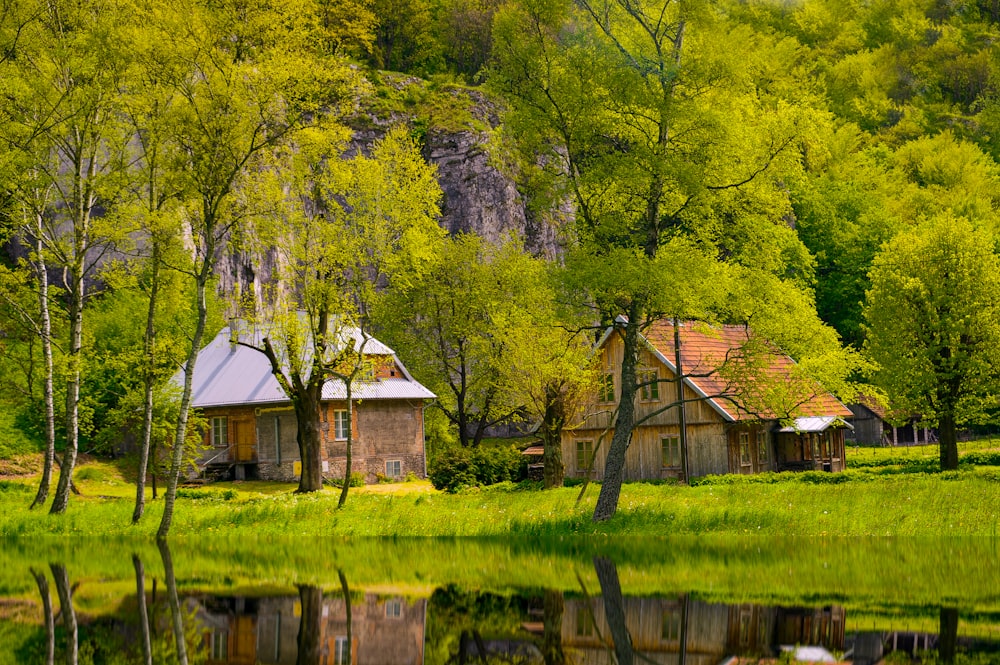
137, 605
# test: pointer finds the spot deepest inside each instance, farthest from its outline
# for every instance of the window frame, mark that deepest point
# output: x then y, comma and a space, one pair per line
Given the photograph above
669, 447
399, 468
215, 422
606, 388
340, 425
763, 455
651, 391
744, 445
587, 447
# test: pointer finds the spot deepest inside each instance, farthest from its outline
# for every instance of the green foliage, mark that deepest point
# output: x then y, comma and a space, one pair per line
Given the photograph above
357, 480
206, 494
932, 314
462, 468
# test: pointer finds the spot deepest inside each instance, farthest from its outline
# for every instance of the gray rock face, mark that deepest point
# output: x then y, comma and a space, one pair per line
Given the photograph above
478, 198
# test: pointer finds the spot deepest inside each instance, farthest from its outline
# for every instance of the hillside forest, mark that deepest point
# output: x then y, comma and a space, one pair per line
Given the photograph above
822, 171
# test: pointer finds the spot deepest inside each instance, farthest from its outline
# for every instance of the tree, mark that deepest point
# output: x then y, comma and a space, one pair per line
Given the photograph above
245, 79
461, 324
662, 123
63, 114
933, 325
343, 229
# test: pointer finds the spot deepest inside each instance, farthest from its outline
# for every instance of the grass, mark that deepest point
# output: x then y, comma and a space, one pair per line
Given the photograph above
883, 493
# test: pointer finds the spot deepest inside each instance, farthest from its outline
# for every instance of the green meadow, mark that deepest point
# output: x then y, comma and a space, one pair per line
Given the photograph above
896, 492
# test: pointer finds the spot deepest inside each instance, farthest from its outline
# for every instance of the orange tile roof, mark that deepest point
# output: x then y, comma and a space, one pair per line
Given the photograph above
745, 376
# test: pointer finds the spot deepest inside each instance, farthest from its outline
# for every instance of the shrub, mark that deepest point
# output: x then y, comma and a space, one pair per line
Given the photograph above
357, 480
206, 495
460, 468
981, 458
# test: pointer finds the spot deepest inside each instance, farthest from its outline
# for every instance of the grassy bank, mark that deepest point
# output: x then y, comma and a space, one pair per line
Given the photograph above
879, 502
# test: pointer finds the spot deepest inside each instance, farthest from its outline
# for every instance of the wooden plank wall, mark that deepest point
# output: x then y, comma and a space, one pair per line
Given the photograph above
707, 451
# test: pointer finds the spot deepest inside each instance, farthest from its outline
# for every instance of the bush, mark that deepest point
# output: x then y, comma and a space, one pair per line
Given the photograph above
206, 495
460, 468
981, 458
357, 480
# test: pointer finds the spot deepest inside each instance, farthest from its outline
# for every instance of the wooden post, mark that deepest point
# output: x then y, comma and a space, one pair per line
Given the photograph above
682, 418
894, 440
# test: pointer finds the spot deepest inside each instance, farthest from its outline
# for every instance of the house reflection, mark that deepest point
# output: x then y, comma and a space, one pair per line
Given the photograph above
684, 630
248, 631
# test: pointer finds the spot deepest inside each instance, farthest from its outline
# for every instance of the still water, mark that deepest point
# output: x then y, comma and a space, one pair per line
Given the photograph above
411, 602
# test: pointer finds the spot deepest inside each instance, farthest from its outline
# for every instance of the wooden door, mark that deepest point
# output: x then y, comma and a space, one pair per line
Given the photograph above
243, 435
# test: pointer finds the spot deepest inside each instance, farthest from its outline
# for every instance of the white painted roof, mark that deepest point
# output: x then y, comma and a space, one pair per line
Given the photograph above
815, 424
227, 374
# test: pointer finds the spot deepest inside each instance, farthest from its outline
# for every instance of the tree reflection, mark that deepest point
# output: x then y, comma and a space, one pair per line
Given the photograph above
311, 602
61, 578
177, 621
50, 624
552, 617
614, 609
948, 635
140, 591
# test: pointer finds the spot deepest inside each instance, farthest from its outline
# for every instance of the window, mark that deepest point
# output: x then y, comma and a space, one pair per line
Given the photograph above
584, 622
220, 431
341, 651
745, 620
277, 439
219, 644
745, 448
393, 609
651, 391
584, 455
607, 387
762, 447
340, 425
671, 450
671, 625
393, 468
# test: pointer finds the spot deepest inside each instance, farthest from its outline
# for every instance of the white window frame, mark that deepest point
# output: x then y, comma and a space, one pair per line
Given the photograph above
340, 425
398, 464
340, 649
220, 423
393, 609
587, 447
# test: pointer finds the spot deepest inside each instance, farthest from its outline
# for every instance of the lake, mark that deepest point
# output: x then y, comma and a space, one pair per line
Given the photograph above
691, 601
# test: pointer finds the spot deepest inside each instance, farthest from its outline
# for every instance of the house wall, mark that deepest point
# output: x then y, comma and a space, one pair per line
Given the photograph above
241, 435
867, 425
277, 448
706, 428
383, 430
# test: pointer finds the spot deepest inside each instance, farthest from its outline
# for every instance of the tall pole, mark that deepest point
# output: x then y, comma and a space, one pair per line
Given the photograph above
682, 416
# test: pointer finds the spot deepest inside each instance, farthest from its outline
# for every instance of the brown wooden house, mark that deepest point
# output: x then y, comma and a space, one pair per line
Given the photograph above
251, 427
747, 408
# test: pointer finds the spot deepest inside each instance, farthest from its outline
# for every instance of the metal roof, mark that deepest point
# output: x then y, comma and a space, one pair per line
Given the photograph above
227, 374
815, 424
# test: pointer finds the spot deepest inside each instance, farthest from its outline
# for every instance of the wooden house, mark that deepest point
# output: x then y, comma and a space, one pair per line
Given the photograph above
693, 632
875, 426
251, 427
266, 631
747, 409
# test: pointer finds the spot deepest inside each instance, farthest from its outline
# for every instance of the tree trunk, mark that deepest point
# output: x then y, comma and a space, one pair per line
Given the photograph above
180, 435
614, 468
176, 620
614, 610
140, 596
73, 360
49, 389
68, 613
948, 634
148, 344
310, 440
551, 434
50, 624
681, 411
552, 613
308, 639
949, 442
350, 441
